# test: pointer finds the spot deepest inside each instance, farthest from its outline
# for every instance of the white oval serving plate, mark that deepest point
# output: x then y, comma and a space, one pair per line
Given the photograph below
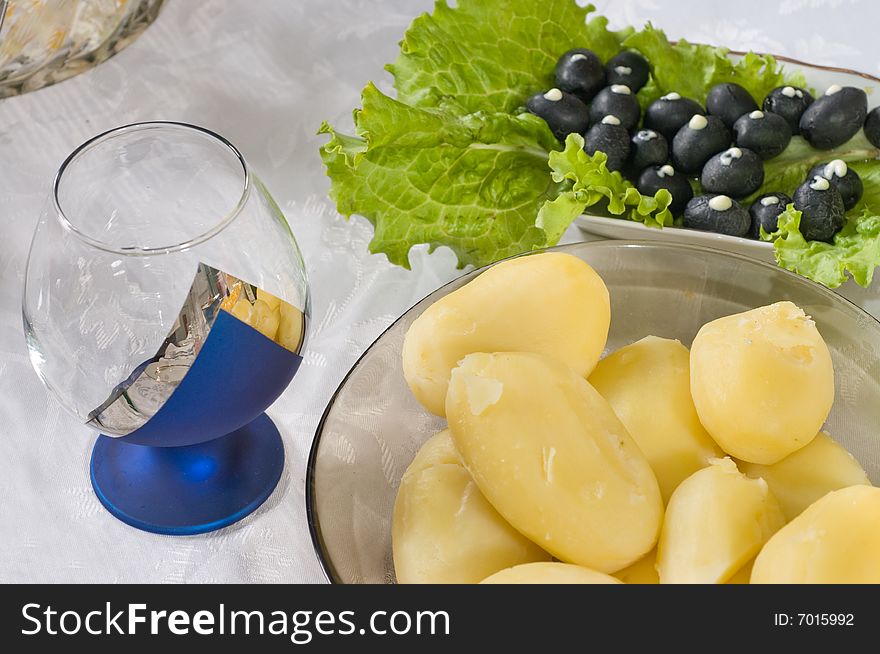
818, 77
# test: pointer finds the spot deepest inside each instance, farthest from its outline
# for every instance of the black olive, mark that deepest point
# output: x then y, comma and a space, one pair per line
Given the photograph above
610, 138
821, 207
736, 172
669, 113
834, 118
729, 101
563, 112
580, 71
765, 134
842, 177
790, 102
697, 141
654, 178
629, 68
648, 148
765, 212
619, 101
730, 217
872, 127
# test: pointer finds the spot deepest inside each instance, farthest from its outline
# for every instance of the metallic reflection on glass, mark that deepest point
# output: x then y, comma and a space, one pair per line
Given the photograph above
137, 399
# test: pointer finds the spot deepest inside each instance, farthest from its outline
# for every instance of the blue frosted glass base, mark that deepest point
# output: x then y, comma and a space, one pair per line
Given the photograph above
191, 489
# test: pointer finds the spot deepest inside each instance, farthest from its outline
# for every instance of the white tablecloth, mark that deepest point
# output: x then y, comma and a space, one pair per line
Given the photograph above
264, 73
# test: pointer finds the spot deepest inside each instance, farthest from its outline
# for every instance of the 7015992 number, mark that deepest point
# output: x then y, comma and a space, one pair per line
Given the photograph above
825, 619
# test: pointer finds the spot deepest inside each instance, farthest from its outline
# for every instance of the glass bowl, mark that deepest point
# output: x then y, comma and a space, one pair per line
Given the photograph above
47, 41
817, 77
373, 426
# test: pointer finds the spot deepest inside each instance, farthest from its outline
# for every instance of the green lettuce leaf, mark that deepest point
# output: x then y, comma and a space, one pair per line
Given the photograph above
474, 183
592, 184
491, 56
855, 250
455, 161
692, 69
869, 172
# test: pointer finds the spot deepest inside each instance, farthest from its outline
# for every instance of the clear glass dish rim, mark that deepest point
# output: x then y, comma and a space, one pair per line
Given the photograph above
221, 224
311, 510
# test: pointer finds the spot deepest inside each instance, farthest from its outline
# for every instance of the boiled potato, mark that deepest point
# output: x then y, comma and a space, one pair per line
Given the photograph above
643, 571
549, 573
550, 455
762, 381
258, 315
836, 540
716, 521
444, 530
272, 301
648, 386
743, 575
550, 303
290, 328
437, 450
264, 319
269, 315
813, 471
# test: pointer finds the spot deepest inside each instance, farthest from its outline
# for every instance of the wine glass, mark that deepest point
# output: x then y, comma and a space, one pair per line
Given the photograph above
165, 306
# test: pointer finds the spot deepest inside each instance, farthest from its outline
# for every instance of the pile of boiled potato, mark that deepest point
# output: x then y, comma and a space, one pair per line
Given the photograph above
655, 464
271, 316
